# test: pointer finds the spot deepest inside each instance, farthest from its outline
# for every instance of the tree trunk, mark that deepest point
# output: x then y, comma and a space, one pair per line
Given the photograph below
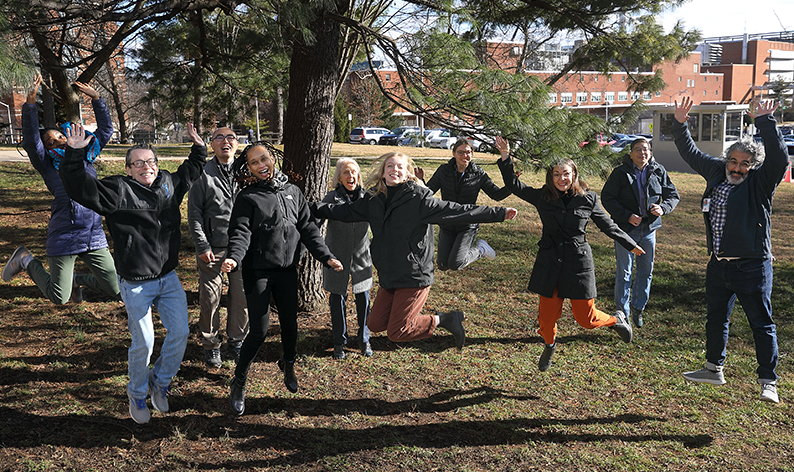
118, 102
308, 135
279, 114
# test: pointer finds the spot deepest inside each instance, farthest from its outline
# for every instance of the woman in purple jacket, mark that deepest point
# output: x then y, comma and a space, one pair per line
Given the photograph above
74, 231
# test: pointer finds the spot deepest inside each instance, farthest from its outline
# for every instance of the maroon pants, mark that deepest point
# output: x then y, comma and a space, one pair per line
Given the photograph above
396, 311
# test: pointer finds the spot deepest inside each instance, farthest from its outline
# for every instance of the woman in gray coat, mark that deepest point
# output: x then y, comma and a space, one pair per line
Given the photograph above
349, 242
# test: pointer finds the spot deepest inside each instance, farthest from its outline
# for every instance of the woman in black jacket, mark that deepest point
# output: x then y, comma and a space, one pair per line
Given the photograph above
564, 264
270, 220
401, 212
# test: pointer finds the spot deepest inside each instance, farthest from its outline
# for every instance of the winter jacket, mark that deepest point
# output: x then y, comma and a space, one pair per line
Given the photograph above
269, 222
349, 242
209, 207
749, 203
143, 221
465, 189
73, 229
620, 195
402, 233
565, 259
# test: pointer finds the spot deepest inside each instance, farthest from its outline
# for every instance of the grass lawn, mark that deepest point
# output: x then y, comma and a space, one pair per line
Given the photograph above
603, 405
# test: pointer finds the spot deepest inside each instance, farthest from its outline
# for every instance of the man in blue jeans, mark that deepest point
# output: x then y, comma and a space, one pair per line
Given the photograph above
636, 195
737, 205
142, 214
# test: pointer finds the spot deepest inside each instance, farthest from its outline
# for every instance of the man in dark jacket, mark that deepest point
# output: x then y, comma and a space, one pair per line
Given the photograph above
209, 207
636, 195
142, 213
738, 202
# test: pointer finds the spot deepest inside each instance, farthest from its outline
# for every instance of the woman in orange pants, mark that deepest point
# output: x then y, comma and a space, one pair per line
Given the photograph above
564, 265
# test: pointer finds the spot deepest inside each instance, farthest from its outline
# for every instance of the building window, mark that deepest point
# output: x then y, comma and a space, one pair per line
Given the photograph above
595, 97
658, 93
609, 79
623, 79
388, 77
566, 97
646, 95
595, 78
609, 96
704, 93
679, 78
581, 97
623, 96
695, 68
552, 98
635, 96
705, 79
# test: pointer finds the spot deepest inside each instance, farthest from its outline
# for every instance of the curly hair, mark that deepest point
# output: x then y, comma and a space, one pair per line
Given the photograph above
240, 171
748, 146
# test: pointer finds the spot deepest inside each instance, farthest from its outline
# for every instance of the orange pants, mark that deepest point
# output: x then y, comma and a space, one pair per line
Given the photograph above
584, 311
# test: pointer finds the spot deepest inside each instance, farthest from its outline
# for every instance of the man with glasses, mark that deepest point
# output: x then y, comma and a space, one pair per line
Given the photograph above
209, 209
737, 205
636, 195
142, 214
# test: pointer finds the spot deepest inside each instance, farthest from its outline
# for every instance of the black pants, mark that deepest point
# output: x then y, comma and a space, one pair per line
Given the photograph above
259, 285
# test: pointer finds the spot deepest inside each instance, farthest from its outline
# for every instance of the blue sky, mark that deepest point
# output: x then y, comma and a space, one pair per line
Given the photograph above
733, 17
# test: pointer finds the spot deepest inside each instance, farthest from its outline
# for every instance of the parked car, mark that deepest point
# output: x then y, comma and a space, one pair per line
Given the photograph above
413, 139
621, 143
444, 140
478, 143
366, 135
393, 138
602, 140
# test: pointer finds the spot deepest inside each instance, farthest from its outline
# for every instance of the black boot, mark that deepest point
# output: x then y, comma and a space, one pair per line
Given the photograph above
290, 381
237, 396
545, 358
453, 322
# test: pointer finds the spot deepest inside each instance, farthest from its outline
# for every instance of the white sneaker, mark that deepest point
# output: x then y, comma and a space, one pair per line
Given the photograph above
16, 263
486, 250
769, 391
709, 374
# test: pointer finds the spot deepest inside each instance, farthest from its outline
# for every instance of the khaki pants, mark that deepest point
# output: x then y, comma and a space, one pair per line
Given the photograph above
210, 291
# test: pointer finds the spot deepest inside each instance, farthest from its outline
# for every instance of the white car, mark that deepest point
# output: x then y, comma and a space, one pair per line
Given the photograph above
367, 135
414, 140
444, 140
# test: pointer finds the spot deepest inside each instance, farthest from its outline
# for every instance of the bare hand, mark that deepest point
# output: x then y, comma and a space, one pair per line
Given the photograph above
336, 265
88, 90
191, 130
762, 107
635, 220
656, 209
419, 173
637, 251
682, 111
228, 265
511, 213
34, 89
207, 257
503, 146
76, 137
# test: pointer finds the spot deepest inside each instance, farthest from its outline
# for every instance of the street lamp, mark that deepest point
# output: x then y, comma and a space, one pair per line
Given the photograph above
606, 114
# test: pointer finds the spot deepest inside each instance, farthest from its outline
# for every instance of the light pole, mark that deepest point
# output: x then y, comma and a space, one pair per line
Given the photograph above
606, 112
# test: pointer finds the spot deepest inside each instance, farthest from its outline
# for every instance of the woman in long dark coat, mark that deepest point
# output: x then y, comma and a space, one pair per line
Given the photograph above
564, 264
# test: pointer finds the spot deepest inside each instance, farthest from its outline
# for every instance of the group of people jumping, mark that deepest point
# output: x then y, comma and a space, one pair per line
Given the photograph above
250, 224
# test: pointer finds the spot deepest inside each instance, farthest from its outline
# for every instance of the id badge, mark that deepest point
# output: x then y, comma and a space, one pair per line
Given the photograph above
705, 206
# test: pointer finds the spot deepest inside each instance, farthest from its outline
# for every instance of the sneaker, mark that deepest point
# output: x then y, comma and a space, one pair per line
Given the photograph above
486, 250
16, 263
366, 350
636, 316
622, 327
709, 374
138, 409
212, 357
339, 351
769, 391
545, 359
158, 395
77, 291
233, 349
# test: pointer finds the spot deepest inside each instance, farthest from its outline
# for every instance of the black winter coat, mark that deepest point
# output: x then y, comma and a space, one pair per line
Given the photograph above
565, 259
402, 244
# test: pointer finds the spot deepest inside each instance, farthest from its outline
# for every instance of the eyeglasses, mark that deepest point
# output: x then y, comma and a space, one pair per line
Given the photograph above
745, 165
221, 138
151, 162
464, 153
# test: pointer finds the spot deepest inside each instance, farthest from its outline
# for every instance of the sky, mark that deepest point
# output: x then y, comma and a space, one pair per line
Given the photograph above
733, 17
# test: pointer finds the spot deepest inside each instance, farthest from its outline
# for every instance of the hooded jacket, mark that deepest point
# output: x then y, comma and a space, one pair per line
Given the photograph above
143, 221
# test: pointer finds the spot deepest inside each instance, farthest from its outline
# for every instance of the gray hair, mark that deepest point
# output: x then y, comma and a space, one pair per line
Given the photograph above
749, 146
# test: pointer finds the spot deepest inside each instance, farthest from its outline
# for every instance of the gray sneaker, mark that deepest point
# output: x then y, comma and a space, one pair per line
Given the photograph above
14, 264
138, 409
622, 327
486, 250
769, 391
158, 395
711, 374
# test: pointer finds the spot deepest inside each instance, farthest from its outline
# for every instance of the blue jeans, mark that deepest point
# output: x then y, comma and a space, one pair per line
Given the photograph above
168, 296
339, 317
749, 280
455, 249
624, 262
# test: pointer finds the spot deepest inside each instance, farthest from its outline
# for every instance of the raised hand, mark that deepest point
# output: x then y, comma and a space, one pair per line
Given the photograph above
76, 137
88, 90
682, 111
34, 89
762, 107
191, 131
503, 146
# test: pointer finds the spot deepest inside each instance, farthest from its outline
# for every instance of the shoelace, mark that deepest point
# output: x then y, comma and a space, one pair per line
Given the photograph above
140, 403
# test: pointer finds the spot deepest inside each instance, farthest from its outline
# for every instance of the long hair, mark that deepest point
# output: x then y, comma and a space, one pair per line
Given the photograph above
375, 182
578, 186
240, 171
340, 167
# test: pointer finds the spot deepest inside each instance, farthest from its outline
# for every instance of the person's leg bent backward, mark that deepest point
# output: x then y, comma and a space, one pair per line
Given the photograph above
446, 238
381, 309
463, 253
57, 284
719, 305
210, 288
549, 311
103, 277
405, 322
588, 316
171, 304
285, 294
138, 298
258, 287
